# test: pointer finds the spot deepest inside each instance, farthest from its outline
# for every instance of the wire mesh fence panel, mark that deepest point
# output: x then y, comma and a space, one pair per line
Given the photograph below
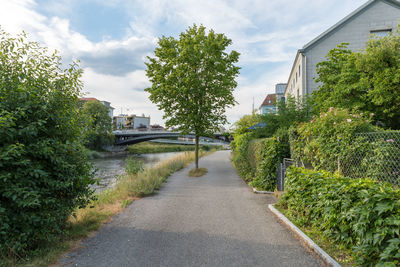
281, 175
373, 155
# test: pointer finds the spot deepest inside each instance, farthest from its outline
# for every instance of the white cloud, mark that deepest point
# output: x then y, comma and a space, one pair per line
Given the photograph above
264, 32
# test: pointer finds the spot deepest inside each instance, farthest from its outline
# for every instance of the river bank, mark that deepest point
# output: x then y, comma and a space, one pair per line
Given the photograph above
111, 165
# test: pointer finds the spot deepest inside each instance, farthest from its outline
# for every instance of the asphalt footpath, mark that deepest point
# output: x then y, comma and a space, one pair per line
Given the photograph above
214, 220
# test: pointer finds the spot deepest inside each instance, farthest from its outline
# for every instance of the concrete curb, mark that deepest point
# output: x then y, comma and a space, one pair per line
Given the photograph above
311, 244
261, 192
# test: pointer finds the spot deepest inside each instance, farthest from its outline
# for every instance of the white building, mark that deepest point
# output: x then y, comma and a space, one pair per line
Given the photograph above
379, 17
110, 108
139, 122
120, 122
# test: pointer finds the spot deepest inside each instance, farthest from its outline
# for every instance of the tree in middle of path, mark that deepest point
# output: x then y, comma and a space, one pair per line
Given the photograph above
193, 79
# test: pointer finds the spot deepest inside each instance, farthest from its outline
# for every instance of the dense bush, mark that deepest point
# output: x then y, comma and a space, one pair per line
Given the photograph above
240, 155
327, 140
44, 174
256, 159
360, 213
362, 81
98, 127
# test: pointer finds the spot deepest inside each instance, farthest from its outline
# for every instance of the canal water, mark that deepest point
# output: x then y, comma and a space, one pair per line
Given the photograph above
112, 165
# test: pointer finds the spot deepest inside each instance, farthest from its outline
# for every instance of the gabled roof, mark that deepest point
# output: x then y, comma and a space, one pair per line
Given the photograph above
269, 100
352, 15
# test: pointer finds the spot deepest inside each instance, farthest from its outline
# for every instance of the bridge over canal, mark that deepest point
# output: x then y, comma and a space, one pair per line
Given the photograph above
129, 137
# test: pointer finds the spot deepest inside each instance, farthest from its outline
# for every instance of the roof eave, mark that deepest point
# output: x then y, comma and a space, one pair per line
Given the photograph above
344, 20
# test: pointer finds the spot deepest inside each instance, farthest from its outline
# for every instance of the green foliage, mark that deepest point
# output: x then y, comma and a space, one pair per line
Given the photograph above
240, 156
362, 81
359, 213
328, 139
98, 124
272, 151
44, 174
133, 166
245, 122
290, 112
256, 159
193, 79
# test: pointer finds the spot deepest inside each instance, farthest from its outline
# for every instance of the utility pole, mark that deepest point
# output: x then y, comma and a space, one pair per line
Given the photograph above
252, 111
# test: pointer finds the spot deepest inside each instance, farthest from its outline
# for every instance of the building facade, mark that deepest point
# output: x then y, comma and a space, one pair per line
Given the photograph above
110, 108
375, 17
138, 122
268, 105
120, 122
280, 91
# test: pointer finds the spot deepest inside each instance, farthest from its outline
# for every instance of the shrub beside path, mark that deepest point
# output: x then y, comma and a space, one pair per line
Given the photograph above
213, 220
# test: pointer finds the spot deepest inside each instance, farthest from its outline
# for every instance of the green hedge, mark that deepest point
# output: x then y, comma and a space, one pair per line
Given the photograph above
240, 155
256, 159
328, 139
360, 213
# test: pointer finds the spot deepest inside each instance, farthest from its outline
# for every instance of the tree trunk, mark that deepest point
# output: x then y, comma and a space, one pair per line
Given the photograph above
196, 151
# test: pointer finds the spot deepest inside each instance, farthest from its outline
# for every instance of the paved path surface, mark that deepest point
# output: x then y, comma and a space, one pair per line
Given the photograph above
214, 220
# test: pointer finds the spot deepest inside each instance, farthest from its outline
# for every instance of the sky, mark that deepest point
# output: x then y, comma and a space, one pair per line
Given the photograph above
112, 38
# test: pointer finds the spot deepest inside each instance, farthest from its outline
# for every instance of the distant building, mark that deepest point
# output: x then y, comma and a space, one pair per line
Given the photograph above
120, 122
105, 103
139, 122
280, 91
378, 17
268, 105
110, 108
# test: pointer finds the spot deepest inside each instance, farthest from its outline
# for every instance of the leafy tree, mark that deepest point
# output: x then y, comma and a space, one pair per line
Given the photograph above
193, 79
98, 124
367, 81
289, 112
44, 174
245, 122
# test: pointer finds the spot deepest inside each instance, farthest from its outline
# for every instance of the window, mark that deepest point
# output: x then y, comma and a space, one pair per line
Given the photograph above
299, 70
296, 77
382, 33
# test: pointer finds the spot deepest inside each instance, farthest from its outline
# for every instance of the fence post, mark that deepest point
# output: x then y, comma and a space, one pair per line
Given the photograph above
338, 157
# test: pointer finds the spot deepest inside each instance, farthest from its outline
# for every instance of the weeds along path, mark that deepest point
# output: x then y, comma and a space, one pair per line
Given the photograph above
213, 220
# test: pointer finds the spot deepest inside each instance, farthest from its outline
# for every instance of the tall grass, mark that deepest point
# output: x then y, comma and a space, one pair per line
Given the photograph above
131, 186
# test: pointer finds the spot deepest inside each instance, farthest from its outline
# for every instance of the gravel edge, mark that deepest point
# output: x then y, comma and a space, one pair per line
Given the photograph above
308, 241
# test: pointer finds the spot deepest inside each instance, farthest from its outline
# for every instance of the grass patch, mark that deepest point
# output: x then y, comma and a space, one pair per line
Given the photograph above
139, 182
151, 147
343, 255
197, 172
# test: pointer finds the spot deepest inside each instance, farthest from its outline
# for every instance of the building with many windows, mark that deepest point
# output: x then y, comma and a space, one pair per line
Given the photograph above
375, 17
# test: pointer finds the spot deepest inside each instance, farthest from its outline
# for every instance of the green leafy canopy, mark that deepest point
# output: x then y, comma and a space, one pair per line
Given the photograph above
44, 174
193, 79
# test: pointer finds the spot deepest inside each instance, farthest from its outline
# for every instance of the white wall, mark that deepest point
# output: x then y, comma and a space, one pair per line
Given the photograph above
356, 31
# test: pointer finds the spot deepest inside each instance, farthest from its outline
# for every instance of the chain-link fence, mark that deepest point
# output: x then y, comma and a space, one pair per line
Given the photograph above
281, 172
374, 155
